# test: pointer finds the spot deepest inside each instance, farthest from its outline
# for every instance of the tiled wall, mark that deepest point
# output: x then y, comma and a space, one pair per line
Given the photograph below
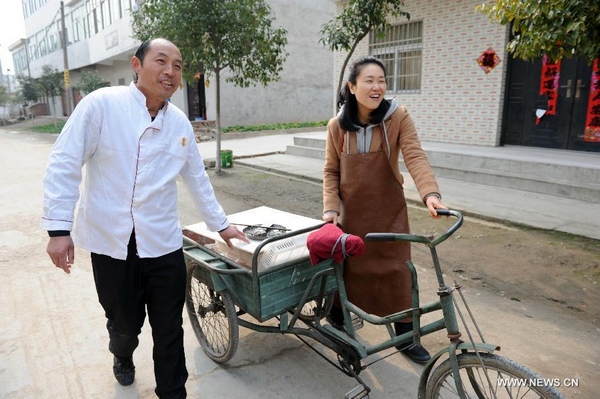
458, 102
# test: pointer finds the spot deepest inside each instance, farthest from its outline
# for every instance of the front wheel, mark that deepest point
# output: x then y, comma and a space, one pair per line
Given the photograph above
491, 377
213, 317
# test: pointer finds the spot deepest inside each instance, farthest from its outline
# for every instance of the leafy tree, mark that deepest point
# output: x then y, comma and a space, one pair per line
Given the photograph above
91, 81
28, 88
554, 27
50, 84
353, 24
4, 99
214, 35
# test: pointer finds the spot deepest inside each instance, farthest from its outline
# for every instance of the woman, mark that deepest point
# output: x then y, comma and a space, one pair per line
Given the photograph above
362, 190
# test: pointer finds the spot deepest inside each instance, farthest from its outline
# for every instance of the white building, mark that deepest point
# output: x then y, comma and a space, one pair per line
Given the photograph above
100, 38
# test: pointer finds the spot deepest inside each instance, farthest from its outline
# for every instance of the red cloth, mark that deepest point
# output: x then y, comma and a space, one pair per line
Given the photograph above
330, 238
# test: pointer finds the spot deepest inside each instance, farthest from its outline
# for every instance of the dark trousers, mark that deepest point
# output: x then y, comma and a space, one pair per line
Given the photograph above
126, 289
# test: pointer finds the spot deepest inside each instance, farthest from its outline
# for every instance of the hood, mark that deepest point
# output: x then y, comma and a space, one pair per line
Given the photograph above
393, 107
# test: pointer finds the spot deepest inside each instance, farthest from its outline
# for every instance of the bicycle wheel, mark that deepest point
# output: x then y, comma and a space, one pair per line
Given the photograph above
307, 313
505, 379
213, 318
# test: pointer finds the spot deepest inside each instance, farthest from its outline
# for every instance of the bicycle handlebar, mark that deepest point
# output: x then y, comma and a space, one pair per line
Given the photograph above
421, 239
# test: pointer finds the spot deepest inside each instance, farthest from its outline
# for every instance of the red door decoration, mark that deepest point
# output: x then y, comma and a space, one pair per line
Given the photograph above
488, 60
592, 122
549, 84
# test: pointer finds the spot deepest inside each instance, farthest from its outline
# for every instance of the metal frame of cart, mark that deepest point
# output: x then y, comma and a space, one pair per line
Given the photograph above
220, 290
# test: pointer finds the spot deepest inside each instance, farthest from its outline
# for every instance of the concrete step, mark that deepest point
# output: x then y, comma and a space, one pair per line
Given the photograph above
566, 174
307, 152
308, 147
312, 142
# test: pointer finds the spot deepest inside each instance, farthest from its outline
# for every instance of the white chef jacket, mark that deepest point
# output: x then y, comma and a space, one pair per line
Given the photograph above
131, 167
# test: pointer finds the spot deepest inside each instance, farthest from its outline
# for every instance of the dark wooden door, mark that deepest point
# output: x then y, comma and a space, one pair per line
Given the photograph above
197, 99
579, 88
564, 129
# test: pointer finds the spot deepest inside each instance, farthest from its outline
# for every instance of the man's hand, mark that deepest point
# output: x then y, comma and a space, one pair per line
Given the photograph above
233, 232
62, 252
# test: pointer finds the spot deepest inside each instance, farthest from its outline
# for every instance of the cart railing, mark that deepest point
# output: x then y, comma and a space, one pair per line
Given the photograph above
264, 293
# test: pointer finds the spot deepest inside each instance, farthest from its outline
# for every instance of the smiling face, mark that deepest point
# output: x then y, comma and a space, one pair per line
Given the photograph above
369, 90
159, 73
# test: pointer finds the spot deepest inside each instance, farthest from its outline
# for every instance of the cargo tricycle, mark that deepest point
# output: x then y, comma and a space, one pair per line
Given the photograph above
298, 295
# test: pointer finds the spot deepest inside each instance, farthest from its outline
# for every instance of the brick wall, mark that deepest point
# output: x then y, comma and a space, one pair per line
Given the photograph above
458, 102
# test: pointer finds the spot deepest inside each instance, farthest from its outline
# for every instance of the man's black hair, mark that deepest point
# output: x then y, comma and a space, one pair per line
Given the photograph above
349, 117
140, 53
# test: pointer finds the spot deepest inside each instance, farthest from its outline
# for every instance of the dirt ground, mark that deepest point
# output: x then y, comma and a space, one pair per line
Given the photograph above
517, 262
534, 292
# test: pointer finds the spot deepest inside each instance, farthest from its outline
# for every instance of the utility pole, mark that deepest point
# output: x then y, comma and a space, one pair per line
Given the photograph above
67, 78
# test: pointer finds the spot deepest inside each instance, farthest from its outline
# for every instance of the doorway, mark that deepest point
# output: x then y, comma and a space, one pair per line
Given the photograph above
197, 99
561, 127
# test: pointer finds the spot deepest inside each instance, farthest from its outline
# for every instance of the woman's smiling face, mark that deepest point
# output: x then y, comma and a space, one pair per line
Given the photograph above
369, 89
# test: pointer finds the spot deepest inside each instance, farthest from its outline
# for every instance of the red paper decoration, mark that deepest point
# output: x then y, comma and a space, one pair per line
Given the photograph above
488, 60
592, 122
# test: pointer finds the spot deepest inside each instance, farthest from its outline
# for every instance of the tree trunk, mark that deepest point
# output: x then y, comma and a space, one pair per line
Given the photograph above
341, 78
218, 122
54, 112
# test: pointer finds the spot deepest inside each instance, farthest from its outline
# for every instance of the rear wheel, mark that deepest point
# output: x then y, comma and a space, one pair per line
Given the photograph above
308, 311
492, 377
213, 317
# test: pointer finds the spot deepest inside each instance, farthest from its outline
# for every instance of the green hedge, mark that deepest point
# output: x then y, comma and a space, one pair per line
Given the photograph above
277, 126
238, 128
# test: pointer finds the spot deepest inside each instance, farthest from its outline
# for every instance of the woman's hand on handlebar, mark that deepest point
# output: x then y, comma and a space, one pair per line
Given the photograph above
433, 202
331, 216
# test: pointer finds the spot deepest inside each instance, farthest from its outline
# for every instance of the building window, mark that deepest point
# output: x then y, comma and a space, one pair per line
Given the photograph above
400, 48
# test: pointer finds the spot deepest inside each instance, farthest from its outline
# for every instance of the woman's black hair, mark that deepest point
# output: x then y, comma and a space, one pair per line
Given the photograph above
349, 117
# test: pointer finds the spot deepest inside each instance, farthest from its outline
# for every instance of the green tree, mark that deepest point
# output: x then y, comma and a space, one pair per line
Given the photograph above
90, 81
28, 88
557, 28
50, 84
353, 24
214, 35
4, 100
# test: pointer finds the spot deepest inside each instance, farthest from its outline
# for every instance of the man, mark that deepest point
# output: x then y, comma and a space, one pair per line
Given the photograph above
134, 144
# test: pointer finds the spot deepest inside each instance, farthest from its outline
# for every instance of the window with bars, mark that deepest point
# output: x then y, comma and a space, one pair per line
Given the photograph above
400, 48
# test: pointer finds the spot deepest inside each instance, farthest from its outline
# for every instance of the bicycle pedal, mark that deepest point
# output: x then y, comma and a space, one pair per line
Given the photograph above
357, 322
359, 391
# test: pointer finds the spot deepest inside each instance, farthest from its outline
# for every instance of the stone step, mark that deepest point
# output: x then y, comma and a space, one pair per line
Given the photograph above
560, 173
308, 152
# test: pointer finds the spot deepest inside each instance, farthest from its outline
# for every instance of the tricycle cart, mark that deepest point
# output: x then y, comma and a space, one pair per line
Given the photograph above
219, 291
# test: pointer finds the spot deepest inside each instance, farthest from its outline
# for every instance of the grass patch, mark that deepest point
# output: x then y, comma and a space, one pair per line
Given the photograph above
277, 126
49, 128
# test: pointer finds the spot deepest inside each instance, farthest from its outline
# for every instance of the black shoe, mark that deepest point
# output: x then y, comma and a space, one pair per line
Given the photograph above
416, 353
124, 370
335, 317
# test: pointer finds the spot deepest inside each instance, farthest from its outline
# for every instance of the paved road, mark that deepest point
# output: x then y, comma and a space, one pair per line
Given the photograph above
53, 343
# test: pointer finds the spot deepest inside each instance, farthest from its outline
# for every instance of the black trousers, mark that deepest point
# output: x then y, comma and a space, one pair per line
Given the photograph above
126, 289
